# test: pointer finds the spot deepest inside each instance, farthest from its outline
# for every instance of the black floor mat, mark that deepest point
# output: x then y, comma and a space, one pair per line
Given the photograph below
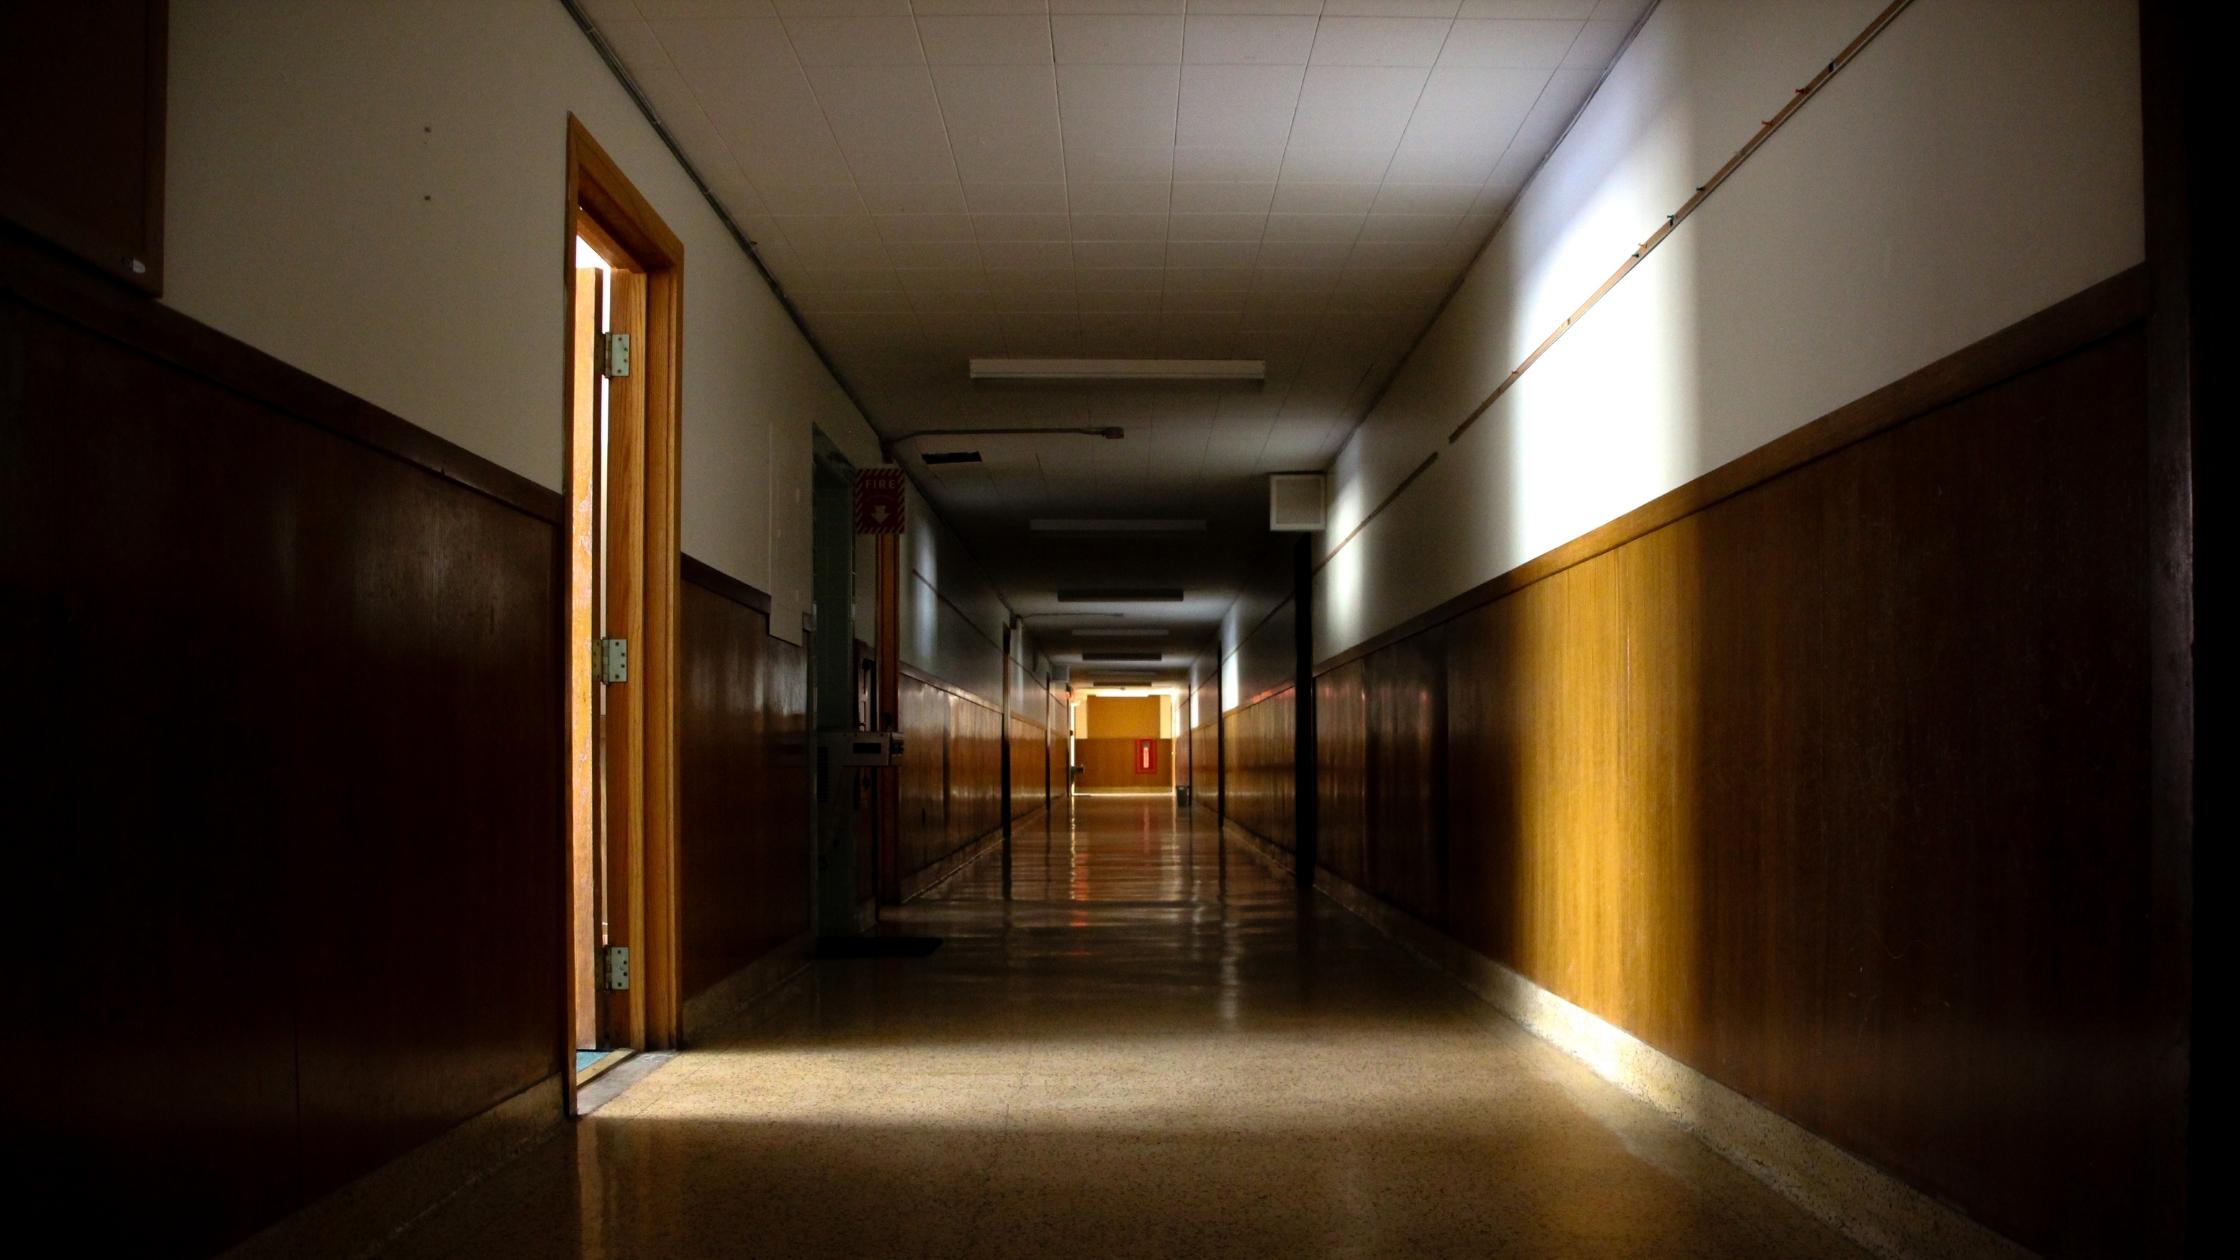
836, 947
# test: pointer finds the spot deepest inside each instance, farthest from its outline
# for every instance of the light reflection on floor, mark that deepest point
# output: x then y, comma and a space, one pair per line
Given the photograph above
1146, 1050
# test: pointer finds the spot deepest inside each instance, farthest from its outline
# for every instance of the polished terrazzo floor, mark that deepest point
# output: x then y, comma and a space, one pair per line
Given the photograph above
1147, 1049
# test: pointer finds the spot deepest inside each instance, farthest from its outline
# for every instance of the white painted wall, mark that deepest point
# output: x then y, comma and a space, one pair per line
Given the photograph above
372, 191
1979, 162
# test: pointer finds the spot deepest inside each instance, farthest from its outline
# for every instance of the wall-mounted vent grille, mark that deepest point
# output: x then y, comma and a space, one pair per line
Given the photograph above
1121, 595
1295, 502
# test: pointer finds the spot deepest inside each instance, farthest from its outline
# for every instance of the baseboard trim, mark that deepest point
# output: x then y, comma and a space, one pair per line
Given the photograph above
720, 1001
366, 1215
1865, 1204
917, 885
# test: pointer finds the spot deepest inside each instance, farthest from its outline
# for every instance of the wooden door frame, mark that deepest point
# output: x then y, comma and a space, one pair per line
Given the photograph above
601, 201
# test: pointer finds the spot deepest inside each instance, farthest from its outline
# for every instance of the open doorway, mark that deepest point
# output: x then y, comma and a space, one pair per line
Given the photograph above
623, 336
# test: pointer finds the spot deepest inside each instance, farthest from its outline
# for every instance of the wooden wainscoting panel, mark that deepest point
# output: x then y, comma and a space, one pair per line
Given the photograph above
295, 780
1341, 717
924, 788
1260, 770
744, 787
1833, 789
1406, 755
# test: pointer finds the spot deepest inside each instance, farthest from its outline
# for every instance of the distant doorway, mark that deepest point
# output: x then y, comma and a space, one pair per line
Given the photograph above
623, 336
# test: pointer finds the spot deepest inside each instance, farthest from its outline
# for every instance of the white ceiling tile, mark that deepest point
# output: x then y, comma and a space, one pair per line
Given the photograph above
1465, 123
1094, 301
1356, 107
1227, 164
868, 302
1013, 198
839, 8
633, 40
1303, 197
985, 39
1416, 228
1596, 44
1117, 39
1314, 227
1313, 165
1120, 227
1391, 8
1575, 9
1116, 6
1020, 227
842, 279
855, 41
1110, 197
706, 8
1620, 10
1223, 198
812, 199
1399, 198
1109, 107
1299, 8
1002, 121
1379, 41
1033, 301
936, 197
1213, 253
1093, 164
887, 120
1237, 106
1217, 227
933, 255
1531, 43
1395, 253
941, 279
1119, 279
1294, 280
1045, 255
1249, 40
924, 227
775, 127
1223, 301
723, 45
924, 7
1321, 255
1108, 254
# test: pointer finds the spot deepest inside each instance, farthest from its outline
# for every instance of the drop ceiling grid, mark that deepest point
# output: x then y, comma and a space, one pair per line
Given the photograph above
1197, 309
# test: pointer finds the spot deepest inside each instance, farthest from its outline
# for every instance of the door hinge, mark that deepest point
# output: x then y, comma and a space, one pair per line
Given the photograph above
614, 970
614, 354
613, 661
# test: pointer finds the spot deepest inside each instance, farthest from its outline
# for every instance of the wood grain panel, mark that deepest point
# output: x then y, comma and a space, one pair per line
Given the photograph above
1405, 723
1030, 767
1833, 788
296, 774
744, 860
1341, 714
89, 176
1259, 771
1109, 764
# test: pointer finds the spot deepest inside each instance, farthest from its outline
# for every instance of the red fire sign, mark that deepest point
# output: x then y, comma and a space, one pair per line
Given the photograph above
879, 499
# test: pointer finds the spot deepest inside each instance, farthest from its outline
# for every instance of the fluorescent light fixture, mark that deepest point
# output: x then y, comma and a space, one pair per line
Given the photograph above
1118, 632
952, 457
1119, 369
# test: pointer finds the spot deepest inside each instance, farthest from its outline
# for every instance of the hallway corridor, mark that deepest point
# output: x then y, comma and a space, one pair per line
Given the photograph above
1146, 1051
